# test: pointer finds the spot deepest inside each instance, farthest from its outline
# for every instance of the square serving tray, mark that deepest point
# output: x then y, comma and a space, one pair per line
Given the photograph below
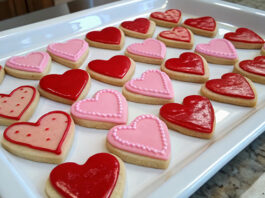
193, 160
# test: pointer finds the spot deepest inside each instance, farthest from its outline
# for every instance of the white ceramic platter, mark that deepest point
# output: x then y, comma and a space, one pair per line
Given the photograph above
194, 160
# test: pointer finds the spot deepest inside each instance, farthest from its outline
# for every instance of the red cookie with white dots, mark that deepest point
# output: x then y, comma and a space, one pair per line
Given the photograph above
19, 105
169, 18
48, 140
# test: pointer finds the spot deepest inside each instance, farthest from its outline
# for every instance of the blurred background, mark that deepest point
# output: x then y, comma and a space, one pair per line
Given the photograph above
14, 13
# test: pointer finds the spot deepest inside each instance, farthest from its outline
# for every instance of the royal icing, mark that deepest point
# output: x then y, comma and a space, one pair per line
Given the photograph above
218, 48
106, 105
149, 48
244, 35
178, 34
71, 50
109, 35
231, 84
116, 67
172, 15
33, 62
187, 62
140, 25
146, 135
256, 66
14, 105
69, 85
47, 134
205, 23
152, 83
196, 113
96, 178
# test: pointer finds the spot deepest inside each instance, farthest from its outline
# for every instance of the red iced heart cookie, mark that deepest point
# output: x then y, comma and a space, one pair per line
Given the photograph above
196, 113
109, 35
231, 84
205, 23
96, 178
177, 33
172, 15
256, 66
187, 62
116, 67
47, 134
69, 85
14, 105
140, 25
244, 35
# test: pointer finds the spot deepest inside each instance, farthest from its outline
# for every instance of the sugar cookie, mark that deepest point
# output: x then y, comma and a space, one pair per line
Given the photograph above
169, 18
144, 142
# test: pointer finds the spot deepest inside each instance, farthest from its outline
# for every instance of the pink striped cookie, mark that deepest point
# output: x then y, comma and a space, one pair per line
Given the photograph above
144, 142
33, 66
153, 87
106, 109
218, 51
150, 51
72, 53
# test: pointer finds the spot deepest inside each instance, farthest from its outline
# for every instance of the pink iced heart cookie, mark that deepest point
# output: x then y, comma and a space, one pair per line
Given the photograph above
154, 87
47, 140
106, 109
219, 51
150, 51
32, 66
71, 53
144, 142
19, 105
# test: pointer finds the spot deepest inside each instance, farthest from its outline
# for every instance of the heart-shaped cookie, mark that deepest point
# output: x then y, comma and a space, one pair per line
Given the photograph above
189, 67
253, 69
47, 140
110, 38
117, 70
194, 117
106, 109
177, 33
153, 87
146, 136
67, 88
219, 51
169, 18
244, 35
19, 105
140, 25
231, 88
149, 51
103, 175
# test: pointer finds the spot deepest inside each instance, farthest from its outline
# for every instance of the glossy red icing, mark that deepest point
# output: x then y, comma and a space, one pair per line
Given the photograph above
96, 178
177, 34
256, 66
231, 84
22, 112
188, 62
58, 150
69, 85
205, 23
244, 35
109, 35
172, 15
116, 67
140, 25
196, 113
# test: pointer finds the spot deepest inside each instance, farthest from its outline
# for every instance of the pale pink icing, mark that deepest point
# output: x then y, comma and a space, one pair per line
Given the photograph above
106, 105
71, 50
152, 83
149, 48
47, 135
146, 135
13, 105
219, 48
33, 62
